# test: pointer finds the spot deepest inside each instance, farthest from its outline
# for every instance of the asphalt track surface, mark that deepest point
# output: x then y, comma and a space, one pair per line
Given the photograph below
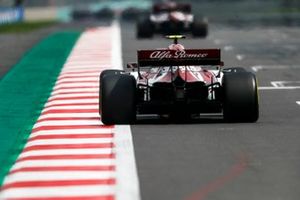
209, 159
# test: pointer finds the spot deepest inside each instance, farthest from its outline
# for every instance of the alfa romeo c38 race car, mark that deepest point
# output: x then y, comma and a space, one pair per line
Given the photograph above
171, 18
179, 83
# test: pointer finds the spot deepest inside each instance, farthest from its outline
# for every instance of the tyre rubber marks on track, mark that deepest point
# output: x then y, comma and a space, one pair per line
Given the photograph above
70, 154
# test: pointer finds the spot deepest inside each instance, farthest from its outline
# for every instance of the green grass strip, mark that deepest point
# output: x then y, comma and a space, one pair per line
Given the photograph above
22, 27
24, 91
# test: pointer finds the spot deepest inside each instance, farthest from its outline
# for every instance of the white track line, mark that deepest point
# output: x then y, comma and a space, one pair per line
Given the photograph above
55, 102
62, 163
96, 74
68, 115
71, 107
70, 131
68, 85
257, 68
67, 123
282, 85
128, 183
94, 151
90, 67
69, 141
78, 79
58, 91
279, 88
54, 192
277, 83
92, 94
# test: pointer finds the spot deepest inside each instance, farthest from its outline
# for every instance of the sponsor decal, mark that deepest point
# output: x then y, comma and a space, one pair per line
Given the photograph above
11, 15
176, 55
166, 57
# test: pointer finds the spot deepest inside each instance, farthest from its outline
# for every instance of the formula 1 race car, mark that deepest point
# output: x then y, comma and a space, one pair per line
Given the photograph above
81, 14
171, 18
179, 83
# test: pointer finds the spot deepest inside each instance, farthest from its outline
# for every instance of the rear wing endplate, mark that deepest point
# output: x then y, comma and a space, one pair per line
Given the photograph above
179, 58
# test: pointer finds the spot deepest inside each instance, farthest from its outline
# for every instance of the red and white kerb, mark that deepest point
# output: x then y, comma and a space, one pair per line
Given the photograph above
70, 154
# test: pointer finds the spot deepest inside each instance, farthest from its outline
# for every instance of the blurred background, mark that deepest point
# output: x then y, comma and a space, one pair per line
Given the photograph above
260, 35
230, 12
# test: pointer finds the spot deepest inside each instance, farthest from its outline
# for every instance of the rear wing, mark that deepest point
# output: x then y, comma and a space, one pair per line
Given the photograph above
158, 58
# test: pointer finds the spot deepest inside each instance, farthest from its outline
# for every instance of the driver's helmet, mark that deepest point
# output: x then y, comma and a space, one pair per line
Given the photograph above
176, 47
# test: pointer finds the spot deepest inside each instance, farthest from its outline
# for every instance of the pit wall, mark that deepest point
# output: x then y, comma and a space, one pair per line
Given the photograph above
48, 13
40, 13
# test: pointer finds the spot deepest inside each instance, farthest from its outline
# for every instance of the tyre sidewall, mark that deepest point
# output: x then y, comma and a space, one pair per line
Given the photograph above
145, 29
240, 102
118, 99
199, 28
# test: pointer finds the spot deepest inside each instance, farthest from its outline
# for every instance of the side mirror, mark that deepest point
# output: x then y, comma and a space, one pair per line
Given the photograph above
132, 65
222, 64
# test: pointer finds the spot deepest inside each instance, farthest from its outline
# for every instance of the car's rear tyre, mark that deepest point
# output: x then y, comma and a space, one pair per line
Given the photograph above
240, 102
110, 72
104, 13
118, 99
199, 28
145, 29
105, 73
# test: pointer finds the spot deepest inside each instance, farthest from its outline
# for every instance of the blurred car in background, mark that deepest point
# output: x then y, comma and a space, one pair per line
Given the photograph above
104, 13
84, 13
171, 18
81, 14
132, 13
